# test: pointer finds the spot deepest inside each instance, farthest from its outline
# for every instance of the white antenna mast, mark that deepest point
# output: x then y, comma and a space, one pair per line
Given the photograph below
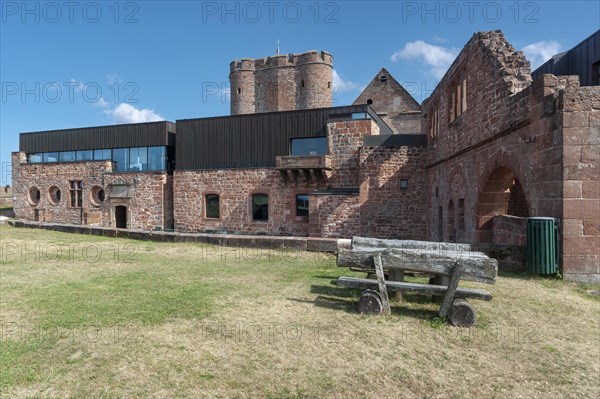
277, 47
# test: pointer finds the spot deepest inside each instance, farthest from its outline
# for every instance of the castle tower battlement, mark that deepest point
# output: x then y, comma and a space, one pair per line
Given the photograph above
281, 82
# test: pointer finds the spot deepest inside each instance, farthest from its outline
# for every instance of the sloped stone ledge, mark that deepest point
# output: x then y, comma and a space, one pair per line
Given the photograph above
312, 244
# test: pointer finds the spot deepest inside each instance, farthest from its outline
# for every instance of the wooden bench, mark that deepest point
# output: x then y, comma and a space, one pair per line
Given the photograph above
454, 261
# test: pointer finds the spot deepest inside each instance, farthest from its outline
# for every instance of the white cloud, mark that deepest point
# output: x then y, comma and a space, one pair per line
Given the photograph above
341, 85
113, 78
540, 52
101, 103
127, 113
437, 58
79, 87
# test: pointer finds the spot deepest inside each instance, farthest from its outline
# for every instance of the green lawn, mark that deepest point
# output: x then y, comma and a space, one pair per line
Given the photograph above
85, 316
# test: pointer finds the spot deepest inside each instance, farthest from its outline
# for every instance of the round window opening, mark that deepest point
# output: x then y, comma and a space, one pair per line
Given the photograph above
54, 195
34, 196
98, 195
369, 101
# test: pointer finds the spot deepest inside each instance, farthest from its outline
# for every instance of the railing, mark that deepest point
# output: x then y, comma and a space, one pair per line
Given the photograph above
303, 162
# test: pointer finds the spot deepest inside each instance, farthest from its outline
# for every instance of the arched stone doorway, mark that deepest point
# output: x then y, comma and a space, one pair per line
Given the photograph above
502, 194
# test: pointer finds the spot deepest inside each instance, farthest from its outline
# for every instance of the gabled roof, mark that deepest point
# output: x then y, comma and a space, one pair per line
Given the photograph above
376, 81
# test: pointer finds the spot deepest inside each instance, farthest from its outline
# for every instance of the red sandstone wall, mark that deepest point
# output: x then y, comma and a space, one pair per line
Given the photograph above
495, 73
388, 211
335, 216
545, 135
581, 187
345, 141
510, 230
332, 215
146, 203
45, 176
235, 188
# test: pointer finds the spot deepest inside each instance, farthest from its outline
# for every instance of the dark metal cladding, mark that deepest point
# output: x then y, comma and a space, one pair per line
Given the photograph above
88, 138
254, 140
396, 140
580, 60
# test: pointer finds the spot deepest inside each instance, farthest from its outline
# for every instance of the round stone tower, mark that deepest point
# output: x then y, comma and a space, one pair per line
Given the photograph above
314, 80
281, 83
241, 79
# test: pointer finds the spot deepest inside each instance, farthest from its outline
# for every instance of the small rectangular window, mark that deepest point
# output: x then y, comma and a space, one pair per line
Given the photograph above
67, 156
35, 158
51, 157
157, 159
121, 157
309, 146
434, 120
102, 155
302, 205
458, 94
360, 115
260, 207
212, 206
138, 158
85, 155
76, 193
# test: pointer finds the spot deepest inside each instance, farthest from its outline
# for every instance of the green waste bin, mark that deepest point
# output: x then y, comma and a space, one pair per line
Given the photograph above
542, 238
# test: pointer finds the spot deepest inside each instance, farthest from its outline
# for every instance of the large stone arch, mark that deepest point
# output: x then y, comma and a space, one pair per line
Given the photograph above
501, 193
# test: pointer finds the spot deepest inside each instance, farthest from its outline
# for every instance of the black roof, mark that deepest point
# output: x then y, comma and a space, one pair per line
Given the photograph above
254, 140
396, 140
577, 61
88, 138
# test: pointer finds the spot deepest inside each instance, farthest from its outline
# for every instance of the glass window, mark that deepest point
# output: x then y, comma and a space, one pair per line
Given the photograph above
102, 155
309, 146
36, 158
121, 157
67, 156
86, 155
76, 193
302, 205
360, 115
212, 206
51, 157
138, 158
260, 207
157, 159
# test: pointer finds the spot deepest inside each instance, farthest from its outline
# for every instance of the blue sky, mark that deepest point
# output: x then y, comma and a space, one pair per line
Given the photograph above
92, 63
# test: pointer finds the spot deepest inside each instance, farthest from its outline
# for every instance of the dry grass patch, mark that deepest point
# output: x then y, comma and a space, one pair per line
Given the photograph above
183, 320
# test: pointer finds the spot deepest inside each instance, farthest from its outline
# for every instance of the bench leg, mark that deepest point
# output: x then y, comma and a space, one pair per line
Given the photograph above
439, 280
452, 285
386, 310
396, 275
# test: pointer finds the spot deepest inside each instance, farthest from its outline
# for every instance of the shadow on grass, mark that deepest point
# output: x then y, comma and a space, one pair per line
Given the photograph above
346, 305
400, 309
340, 298
326, 277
